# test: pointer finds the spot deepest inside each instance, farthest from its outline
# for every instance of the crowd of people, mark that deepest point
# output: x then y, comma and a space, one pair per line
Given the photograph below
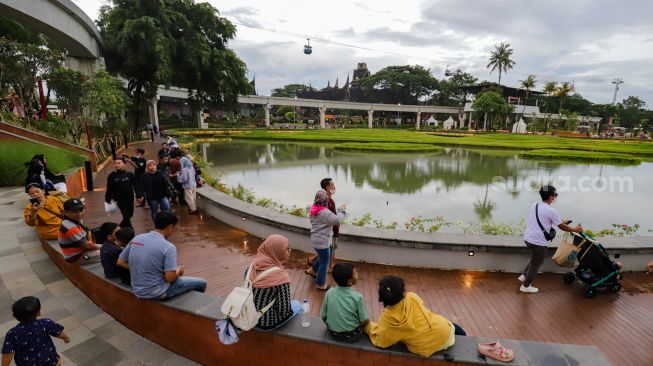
148, 261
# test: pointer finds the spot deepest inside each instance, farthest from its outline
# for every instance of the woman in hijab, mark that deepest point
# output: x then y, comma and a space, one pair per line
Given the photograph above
322, 222
187, 179
275, 286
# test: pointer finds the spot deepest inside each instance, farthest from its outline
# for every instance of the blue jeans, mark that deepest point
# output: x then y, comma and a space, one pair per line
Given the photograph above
182, 285
321, 265
296, 307
163, 203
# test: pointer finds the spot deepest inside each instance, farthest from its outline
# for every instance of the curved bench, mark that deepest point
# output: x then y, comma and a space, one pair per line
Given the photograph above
406, 248
185, 325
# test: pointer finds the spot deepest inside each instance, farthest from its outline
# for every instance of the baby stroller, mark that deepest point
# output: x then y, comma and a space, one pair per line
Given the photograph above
595, 268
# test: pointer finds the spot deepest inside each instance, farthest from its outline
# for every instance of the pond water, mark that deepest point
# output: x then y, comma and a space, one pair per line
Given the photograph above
458, 184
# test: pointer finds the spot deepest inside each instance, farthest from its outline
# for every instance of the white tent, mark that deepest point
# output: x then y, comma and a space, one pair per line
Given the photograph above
448, 124
519, 126
432, 120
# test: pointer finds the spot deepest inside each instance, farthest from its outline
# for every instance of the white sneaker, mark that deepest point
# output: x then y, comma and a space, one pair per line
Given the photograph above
529, 289
521, 278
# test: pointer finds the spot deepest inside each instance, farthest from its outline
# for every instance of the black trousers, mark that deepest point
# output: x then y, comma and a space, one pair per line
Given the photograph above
127, 210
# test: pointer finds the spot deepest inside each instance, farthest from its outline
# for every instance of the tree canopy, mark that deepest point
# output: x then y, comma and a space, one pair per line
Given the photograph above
290, 90
405, 84
450, 91
173, 42
500, 59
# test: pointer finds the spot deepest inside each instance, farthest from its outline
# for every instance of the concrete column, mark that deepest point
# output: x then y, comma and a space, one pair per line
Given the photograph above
370, 118
200, 120
419, 120
322, 117
266, 107
154, 112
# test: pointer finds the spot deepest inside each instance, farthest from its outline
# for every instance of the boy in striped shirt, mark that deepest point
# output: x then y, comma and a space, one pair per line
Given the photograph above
74, 236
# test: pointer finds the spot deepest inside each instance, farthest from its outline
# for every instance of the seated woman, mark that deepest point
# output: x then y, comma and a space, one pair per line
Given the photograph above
58, 181
275, 286
43, 212
405, 319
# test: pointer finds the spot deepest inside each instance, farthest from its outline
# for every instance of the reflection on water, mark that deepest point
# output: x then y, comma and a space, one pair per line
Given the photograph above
459, 184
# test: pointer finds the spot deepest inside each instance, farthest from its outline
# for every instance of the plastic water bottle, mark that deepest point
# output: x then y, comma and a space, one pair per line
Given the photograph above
306, 308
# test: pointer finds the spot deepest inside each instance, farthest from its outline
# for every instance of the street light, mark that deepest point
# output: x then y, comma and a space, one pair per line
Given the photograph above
398, 120
294, 113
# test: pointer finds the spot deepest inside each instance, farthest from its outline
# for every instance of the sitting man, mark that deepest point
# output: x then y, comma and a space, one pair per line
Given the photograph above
152, 261
74, 236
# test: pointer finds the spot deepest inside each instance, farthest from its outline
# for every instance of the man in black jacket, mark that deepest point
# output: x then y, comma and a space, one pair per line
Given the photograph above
121, 186
155, 187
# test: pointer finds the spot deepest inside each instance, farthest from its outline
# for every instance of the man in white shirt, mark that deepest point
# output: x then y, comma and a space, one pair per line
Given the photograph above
534, 235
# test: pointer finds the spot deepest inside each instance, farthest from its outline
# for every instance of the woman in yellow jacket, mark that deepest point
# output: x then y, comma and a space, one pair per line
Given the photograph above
43, 212
405, 319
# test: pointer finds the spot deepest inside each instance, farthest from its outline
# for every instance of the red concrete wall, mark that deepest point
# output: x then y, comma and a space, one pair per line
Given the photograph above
76, 183
194, 337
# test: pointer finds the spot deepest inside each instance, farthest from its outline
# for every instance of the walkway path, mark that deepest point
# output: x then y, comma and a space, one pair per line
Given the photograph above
25, 269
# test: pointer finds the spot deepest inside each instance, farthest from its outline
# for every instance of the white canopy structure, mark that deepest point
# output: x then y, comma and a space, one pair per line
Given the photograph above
432, 120
519, 126
448, 124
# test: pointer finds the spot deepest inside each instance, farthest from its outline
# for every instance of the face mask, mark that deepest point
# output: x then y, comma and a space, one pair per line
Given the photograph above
333, 192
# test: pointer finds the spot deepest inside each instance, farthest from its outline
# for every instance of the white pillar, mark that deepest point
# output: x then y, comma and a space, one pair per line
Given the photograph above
370, 118
154, 112
419, 120
200, 119
266, 107
205, 146
322, 117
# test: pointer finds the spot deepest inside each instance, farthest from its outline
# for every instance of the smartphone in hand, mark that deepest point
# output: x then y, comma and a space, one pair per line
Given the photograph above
34, 201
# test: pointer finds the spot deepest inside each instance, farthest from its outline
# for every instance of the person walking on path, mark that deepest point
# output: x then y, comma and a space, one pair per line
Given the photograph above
186, 178
175, 169
155, 189
541, 219
138, 161
322, 222
121, 187
152, 261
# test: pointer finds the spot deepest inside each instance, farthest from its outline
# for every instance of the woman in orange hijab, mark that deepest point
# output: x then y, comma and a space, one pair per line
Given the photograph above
275, 285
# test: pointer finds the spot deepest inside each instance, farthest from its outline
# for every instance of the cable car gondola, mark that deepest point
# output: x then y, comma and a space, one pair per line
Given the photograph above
307, 48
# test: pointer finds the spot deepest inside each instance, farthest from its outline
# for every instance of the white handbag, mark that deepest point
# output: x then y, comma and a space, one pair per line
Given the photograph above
239, 305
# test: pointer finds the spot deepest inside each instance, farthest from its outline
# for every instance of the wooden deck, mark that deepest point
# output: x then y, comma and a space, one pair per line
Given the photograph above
485, 304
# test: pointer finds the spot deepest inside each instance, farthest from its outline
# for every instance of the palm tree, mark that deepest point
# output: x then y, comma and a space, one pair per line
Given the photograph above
500, 59
483, 209
527, 85
563, 91
550, 88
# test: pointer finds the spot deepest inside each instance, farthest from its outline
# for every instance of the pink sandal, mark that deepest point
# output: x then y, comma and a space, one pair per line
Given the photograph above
496, 351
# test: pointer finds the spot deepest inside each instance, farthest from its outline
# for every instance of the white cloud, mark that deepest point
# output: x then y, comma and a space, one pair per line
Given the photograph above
589, 42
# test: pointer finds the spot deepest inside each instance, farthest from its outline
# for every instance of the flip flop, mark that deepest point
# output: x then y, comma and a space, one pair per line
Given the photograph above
312, 275
323, 289
496, 351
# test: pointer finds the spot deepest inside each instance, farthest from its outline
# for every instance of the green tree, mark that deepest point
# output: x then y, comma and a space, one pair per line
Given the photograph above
290, 90
88, 99
492, 106
402, 84
562, 92
173, 42
21, 64
500, 59
528, 85
451, 91
633, 112
550, 88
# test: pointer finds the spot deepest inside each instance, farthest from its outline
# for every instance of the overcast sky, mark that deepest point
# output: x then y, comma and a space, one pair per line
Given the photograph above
589, 42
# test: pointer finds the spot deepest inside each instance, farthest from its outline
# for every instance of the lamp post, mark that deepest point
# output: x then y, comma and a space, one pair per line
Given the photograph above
398, 120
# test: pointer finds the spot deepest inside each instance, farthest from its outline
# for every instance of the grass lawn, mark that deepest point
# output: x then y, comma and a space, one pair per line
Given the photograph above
577, 155
390, 147
14, 155
490, 140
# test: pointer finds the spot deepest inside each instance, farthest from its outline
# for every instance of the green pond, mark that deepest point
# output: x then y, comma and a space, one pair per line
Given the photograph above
457, 184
